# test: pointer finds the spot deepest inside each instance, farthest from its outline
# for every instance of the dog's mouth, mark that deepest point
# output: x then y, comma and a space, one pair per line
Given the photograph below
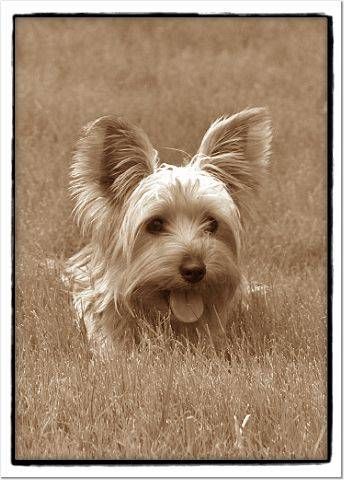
186, 305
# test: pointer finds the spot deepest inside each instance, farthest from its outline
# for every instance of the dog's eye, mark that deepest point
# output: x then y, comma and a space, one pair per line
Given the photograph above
155, 225
211, 225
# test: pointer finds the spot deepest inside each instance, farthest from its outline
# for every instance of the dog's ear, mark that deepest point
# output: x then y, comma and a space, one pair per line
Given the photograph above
110, 160
236, 150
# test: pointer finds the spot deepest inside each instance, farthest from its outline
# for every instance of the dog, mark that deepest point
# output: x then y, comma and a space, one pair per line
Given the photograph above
163, 240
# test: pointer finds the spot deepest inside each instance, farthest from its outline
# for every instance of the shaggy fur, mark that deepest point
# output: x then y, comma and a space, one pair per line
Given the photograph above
162, 238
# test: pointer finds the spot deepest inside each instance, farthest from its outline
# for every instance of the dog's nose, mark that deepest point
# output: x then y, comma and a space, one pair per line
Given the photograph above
192, 270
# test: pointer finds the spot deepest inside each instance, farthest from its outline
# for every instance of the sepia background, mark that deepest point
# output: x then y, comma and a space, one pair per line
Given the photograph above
173, 76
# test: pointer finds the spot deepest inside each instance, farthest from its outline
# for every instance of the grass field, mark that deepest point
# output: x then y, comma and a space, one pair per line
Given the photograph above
268, 398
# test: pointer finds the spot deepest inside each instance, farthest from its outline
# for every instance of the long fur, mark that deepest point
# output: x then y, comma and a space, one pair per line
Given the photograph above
124, 271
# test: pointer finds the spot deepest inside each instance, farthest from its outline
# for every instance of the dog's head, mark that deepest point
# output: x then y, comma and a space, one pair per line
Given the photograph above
171, 235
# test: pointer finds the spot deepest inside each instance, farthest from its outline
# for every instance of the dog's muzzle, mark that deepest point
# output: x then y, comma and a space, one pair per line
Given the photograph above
192, 270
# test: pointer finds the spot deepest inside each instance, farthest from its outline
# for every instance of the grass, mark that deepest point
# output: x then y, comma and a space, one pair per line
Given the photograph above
266, 398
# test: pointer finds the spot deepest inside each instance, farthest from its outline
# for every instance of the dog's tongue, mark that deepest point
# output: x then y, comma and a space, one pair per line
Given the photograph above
187, 306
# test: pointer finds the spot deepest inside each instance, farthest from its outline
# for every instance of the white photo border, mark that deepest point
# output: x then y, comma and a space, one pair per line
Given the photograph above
332, 469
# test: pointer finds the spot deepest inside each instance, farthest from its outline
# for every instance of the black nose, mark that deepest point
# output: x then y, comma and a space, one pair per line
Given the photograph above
192, 270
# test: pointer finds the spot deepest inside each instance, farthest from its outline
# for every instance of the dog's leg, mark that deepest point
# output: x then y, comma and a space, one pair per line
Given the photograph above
108, 332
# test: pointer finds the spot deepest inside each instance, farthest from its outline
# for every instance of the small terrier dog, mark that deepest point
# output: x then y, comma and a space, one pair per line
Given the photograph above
162, 238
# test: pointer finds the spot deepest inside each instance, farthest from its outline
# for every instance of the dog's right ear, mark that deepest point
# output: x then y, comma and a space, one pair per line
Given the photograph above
110, 160
236, 150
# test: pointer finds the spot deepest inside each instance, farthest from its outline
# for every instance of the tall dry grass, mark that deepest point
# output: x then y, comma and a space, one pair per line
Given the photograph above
267, 397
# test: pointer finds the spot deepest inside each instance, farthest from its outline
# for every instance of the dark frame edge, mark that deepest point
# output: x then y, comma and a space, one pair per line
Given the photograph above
330, 74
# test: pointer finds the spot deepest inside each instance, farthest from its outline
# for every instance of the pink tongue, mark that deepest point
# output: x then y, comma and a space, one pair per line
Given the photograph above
186, 306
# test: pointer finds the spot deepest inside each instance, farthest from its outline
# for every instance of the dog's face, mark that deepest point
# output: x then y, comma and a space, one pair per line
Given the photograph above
171, 235
180, 237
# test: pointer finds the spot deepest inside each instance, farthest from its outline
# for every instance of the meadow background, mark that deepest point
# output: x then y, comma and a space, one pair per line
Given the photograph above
265, 399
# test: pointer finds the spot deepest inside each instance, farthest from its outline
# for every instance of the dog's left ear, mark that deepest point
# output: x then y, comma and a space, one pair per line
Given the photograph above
236, 150
110, 159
